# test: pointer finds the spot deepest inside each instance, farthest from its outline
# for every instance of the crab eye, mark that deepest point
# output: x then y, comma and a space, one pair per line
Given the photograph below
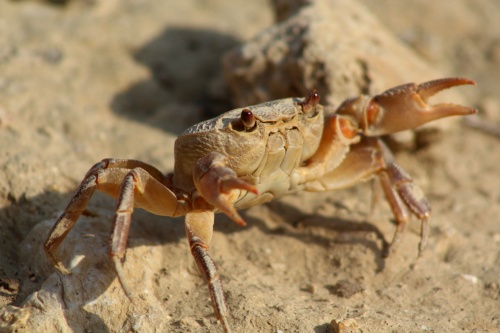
313, 97
311, 100
247, 119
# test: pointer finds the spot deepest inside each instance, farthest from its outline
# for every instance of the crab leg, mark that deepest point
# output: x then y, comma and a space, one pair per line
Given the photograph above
346, 155
199, 228
371, 158
397, 109
125, 180
403, 195
403, 107
216, 183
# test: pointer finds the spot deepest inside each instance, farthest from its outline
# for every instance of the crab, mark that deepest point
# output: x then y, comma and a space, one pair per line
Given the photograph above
249, 156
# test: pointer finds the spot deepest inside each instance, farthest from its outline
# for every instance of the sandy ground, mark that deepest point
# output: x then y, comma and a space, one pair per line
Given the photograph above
98, 79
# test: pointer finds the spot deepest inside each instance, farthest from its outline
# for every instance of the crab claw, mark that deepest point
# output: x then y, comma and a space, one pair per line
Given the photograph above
404, 107
215, 182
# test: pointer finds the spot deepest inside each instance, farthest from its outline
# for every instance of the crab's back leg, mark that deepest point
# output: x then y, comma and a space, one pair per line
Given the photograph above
371, 158
199, 228
149, 186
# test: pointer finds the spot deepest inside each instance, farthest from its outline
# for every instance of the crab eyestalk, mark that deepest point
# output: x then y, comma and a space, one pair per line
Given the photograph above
403, 107
311, 100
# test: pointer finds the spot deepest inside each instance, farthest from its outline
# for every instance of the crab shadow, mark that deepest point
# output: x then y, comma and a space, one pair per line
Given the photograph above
299, 224
186, 84
150, 230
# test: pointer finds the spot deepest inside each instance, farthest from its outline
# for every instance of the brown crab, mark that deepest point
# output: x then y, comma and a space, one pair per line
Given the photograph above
252, 155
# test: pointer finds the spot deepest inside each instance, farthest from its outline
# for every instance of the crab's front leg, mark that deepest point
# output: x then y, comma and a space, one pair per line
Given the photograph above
403, 107
215, 184
371, 158
199, 228
347, 154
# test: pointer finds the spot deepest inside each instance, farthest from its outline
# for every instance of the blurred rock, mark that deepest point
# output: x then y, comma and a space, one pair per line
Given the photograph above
348, 325
346, 288
337, 47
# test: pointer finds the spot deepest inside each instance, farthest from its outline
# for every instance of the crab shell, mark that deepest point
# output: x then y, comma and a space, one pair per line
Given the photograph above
265, 155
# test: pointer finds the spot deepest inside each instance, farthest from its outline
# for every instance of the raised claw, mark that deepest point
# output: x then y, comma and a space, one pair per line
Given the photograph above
215, 182
404, 107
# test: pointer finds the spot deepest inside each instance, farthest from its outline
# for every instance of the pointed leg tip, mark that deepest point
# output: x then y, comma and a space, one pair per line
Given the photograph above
430, 88
472, 82
239, 220
241, 223
457, 81
464, 80
225, 324
61, 268
421, 249
237, 183
453, 110
424, 236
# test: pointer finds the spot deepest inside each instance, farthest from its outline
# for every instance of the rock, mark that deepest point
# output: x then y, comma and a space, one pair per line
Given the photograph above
346, 288
13, 318
337, 47
348, 325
